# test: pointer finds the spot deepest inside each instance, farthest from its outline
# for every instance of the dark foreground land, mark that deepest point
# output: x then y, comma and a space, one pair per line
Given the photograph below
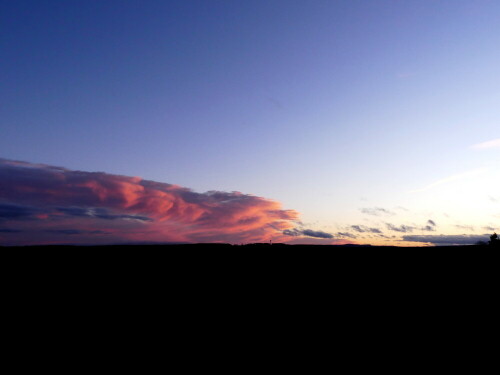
260, 255
246, 247
235, 271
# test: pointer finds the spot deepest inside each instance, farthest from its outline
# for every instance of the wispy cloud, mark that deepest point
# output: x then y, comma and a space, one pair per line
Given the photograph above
465, 227
376, 211
401, 228
364, 229
494, 143
430, 226
346, 235
452, 178
46, 204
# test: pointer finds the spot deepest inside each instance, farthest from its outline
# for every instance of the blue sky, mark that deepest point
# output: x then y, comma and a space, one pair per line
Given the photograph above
325, 106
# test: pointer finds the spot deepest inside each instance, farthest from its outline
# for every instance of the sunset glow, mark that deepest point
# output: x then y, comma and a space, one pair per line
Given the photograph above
320, 122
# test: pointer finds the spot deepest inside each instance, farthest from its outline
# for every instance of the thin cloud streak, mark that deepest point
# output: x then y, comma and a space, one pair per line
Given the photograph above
376, 211
494, 143
453, 178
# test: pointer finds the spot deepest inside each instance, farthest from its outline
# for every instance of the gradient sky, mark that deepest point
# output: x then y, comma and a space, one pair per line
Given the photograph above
359, 115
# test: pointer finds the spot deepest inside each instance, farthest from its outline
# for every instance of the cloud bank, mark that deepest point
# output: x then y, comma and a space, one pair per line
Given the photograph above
42, 204
306, 232
447, 240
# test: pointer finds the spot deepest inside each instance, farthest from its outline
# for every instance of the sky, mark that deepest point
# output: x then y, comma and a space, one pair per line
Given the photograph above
369, 122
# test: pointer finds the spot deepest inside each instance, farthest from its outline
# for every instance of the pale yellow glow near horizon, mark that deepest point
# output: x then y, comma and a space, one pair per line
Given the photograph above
466, 203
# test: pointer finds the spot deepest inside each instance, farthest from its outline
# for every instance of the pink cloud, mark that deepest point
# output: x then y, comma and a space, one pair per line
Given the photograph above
46, 204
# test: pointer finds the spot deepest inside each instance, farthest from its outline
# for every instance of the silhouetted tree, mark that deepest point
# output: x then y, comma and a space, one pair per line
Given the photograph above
494, 241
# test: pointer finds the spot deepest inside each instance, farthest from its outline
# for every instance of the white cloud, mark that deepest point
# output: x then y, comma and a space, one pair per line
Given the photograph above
495, 143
